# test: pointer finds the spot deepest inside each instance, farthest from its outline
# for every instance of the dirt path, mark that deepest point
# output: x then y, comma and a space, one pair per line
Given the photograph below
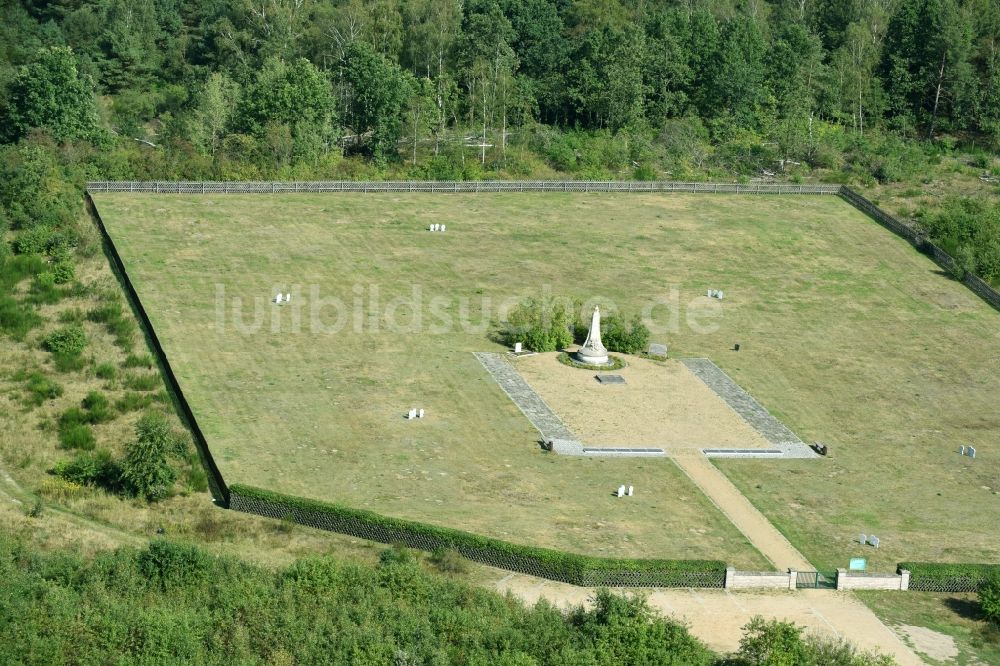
751, 522
717, 616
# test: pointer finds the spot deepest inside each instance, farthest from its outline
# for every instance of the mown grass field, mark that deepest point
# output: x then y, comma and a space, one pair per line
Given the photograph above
848, 335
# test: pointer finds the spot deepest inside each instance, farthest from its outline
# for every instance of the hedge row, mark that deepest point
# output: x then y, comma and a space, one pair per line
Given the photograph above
935, 577
543, 562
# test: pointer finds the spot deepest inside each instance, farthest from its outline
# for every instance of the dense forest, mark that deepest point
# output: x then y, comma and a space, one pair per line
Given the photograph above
233, 87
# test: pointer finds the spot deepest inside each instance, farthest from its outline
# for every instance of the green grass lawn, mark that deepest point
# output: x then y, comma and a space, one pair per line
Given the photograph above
848, 335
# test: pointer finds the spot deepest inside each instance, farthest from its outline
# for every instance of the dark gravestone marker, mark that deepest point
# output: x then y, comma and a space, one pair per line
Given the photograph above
610, 379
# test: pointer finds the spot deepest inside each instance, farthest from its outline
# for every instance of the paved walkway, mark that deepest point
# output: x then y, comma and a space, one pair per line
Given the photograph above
744, 515
717, 616
746, 406
522, 395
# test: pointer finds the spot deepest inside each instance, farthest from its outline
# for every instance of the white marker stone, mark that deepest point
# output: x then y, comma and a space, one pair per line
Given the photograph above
631, 491
621, 491
517, 347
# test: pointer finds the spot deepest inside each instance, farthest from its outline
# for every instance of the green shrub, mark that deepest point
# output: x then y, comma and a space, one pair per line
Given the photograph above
989, 598
170, 565
105, 313
98, 408
397, 554
71, 417
113, 316
133, 402
44, 290
64, 363
196, 478
106, 371
78, 436
71, 316
624, 338
16, 320
124, 331
146, 469
63, 272
66, 341
449, 561
40, 388
146, 382
91, 469
139, 361
540, 325
33, 241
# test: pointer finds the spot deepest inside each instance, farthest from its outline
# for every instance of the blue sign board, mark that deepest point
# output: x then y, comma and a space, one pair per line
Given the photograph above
857, 564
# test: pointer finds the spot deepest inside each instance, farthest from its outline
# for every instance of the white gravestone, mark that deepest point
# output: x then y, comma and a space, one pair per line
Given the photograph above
277, 298
972, 451
961, 450
631, 491
863, 539
420, 414
288, 298
442, 227
517, 347
621, 491
412, 414
873, 541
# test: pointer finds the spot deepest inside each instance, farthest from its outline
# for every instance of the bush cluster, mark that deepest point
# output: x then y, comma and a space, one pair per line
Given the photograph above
172, 602
40, 388
96, 468
540, 325
68, 341
112, 315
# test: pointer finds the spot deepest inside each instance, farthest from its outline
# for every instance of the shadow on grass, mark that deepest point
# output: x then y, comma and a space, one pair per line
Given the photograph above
965, 608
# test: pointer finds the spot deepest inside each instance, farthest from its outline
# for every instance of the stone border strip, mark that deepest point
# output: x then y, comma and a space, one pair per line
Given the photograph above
751, 411
521, 394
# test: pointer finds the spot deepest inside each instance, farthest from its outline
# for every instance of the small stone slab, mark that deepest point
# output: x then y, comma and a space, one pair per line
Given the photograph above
610, 379
657, 350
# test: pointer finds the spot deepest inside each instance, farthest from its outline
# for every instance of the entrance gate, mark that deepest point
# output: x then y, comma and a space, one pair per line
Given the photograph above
815, 580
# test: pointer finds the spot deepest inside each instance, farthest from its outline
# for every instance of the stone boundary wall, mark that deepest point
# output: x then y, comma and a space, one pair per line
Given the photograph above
850, 580
755, 580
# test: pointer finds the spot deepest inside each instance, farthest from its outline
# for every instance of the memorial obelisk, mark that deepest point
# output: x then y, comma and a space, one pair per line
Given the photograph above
593, 351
